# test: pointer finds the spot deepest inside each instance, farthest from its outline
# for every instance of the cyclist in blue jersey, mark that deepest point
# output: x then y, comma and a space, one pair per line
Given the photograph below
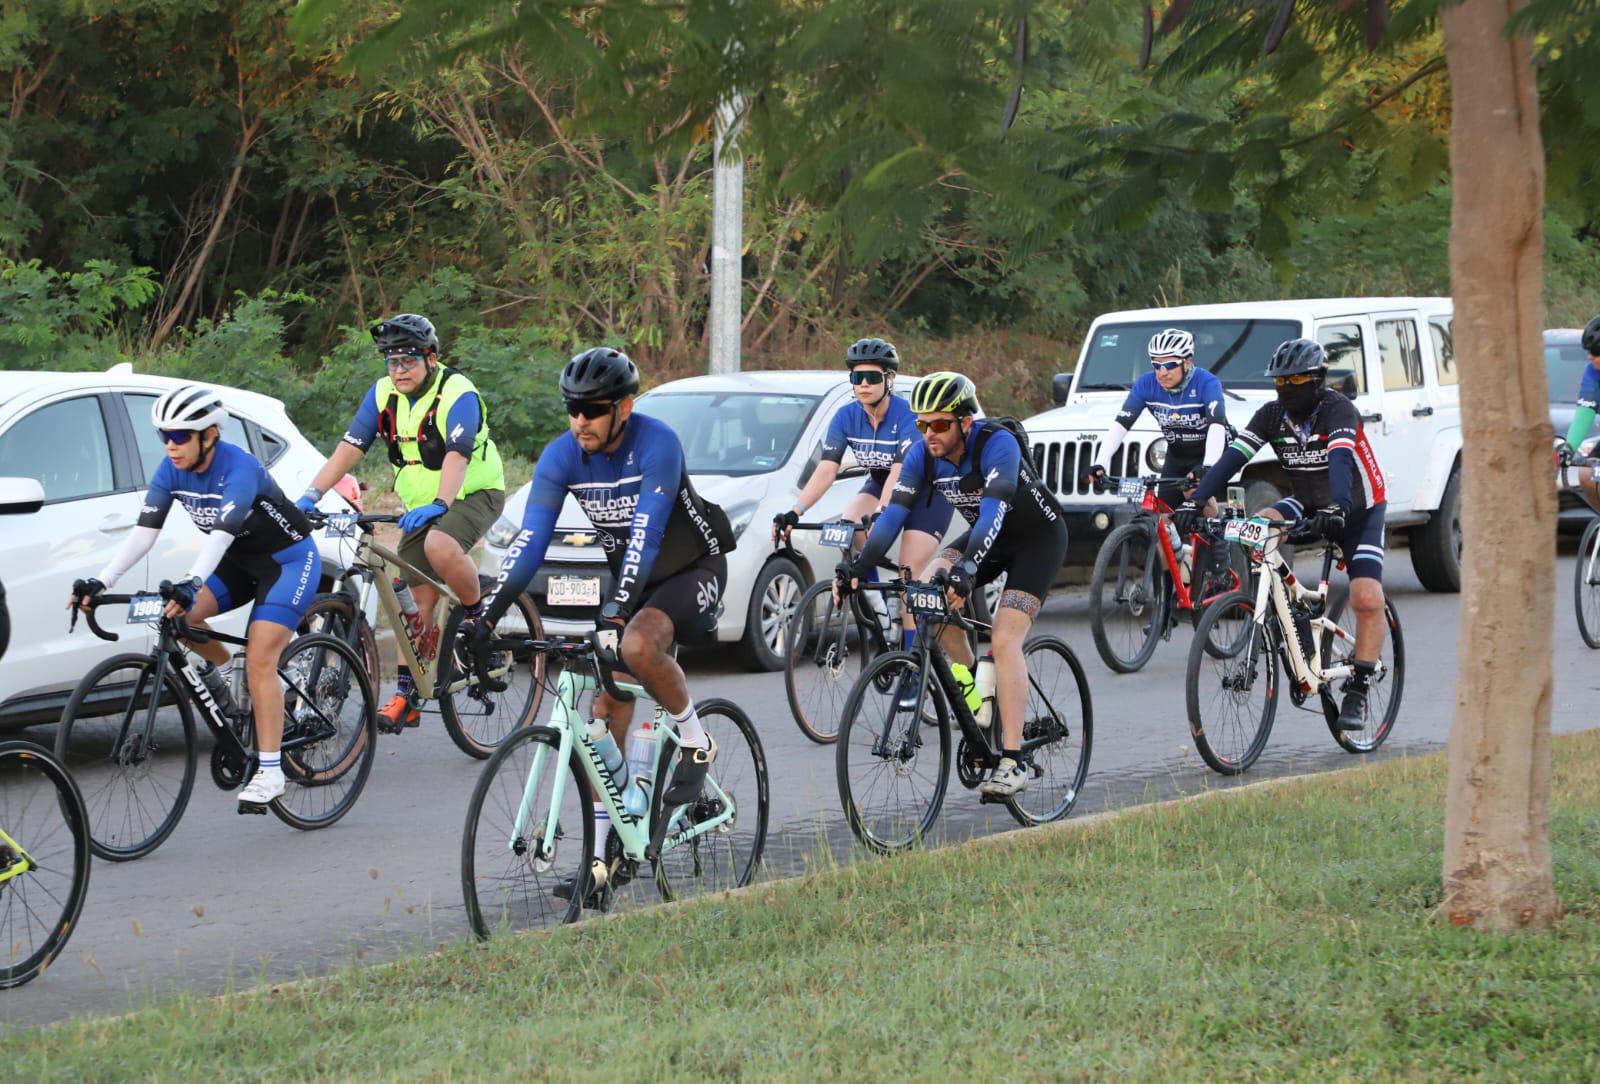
666, 547
1017, 529
1588, 398
258, 549
879, 429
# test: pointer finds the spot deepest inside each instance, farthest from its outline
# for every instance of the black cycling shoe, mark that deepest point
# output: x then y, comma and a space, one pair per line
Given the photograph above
1353, 712
690, 774
599, 876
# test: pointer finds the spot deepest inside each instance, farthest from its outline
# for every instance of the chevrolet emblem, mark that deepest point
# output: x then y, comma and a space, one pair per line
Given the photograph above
577, 539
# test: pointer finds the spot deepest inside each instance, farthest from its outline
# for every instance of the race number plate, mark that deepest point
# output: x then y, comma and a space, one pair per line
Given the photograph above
145, 609
573, 591
839, 535
1249, 533
927, 601
341, 524
1130, 487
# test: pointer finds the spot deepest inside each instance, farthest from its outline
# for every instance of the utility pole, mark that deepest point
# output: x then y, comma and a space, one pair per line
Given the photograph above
727, 237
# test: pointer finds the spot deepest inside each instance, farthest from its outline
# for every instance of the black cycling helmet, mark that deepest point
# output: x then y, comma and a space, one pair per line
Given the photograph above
872, 352
599, 374
406, 331
1591, 337
1298, 356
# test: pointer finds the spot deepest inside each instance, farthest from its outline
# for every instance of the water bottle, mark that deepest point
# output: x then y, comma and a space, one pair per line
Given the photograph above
969, 688
604, 744
415, 625
641, 766
983, 679
879, 608
408, 601
241, 684
217, 685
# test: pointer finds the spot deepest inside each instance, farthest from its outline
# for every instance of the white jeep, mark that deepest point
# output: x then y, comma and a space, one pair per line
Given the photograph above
1393, 356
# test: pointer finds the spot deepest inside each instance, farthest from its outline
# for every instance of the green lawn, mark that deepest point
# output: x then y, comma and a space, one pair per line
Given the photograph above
1279, 932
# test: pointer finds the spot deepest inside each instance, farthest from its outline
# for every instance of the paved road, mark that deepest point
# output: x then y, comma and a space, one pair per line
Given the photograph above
230, 900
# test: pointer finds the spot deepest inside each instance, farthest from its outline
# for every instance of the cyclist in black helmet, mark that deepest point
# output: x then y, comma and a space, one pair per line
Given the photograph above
1588, 398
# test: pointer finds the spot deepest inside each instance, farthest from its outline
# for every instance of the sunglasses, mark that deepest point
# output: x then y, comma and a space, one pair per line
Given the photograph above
587, 409
179, 437
935, 425
866, 376
401, 362
1166, 366
1297, 378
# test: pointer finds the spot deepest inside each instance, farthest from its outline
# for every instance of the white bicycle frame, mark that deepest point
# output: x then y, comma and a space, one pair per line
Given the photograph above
1278, 586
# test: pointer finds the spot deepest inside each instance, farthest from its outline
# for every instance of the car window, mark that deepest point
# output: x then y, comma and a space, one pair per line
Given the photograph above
1235, 350
64, 445
732, 432
1444, 348
1400, 354
151, 450
272, 446
1347, 371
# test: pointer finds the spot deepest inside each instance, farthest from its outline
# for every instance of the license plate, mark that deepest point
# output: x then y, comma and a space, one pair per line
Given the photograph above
927, 601
145, 609
341, 524
1130, 487
572, 591
839, 535
1249, 533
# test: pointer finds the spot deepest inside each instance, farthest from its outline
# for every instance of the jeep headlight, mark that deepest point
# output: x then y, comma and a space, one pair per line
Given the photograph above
739, 516
1155, 454
501, 534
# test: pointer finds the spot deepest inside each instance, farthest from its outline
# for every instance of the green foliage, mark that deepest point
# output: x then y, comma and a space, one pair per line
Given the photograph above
61, 319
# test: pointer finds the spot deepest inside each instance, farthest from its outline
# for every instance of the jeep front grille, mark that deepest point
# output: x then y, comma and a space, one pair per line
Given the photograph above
1062, 463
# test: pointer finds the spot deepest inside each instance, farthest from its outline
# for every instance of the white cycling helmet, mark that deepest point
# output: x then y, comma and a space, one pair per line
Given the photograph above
188, 406
1172, 343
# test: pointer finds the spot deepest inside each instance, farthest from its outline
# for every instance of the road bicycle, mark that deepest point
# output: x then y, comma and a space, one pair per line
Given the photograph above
1232, 678
1586, 573
531, 825
128, 735
1137, 587
893, 758
476, 719
44, 860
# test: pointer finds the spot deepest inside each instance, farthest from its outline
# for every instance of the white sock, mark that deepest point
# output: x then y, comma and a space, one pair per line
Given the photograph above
226, 670
602, 827
271, 762
690, 732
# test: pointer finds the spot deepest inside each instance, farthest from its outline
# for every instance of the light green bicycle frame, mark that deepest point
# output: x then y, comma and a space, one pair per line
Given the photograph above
633, 831
25, 862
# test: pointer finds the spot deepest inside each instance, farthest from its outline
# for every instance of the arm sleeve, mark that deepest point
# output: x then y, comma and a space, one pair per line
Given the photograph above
211, 553
907, 491
834, 443
1582, 422
135, 546
1342, 430
662, 467
461, 427
363, 428
1218, 432
527, 550
1001, 463
1112, 442
1246, 443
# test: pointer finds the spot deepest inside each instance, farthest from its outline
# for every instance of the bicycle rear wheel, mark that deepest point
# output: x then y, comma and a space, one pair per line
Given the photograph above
330, 731
136, 774
1383, 691
44, 858
476, 719
509, 869
1232, 700
334, 613
891, 784
1060, 717
823, 654
1586, 585
1128, 597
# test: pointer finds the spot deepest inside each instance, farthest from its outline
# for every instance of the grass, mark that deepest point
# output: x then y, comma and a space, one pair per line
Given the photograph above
1282, 932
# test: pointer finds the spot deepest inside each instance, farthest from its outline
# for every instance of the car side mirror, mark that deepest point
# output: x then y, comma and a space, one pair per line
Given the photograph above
19, 496
1060, 388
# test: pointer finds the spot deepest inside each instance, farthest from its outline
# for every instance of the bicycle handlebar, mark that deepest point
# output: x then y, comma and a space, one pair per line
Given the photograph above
574, 647
181, 628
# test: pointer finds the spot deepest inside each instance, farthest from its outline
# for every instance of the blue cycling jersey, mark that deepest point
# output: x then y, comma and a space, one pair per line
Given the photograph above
878, 448
1184, 414
235, 494
460, 429
1589, 387
651, 523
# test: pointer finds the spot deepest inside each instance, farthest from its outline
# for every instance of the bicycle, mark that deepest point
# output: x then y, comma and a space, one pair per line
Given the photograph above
1147, 586
880, 760
1586, 574
476, 720
128, 732
530, 824
44, 860
1232, 669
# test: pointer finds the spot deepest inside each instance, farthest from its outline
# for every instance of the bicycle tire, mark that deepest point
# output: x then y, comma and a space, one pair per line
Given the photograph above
479, 733
1586, 585
898, 832
489, 866
58, 906
1229, 748
1047, 703
334, 613
729, 855
817, 691
1149, 597
122, 830
343, 759
1387, 690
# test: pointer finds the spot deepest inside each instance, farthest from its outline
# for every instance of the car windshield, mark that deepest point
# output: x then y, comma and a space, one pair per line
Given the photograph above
1564, 364
732, 432
1237, 351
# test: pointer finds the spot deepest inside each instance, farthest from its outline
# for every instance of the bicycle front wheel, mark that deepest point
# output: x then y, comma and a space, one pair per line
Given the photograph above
1128, 597
334, 613
893, 762
823, 654
131, 749
511, 860
44, 860
1383, 691
1057, 733
1586, 585
330, 731
476, 719
1232, 698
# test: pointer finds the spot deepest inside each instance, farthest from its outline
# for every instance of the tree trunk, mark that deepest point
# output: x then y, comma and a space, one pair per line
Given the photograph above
1497, 872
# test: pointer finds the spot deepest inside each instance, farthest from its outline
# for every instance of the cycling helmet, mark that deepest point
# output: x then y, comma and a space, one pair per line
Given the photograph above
1298, 356
1591, 337
1172, 343
188, 406
873, 352
601, 373
944, 393
406, 331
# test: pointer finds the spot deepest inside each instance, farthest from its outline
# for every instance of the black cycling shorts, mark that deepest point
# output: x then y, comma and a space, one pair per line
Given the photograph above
1172, 493
691, 599
280, 584
1361, 542
1030, 564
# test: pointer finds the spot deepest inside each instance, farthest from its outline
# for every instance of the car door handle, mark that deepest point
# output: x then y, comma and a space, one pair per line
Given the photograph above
1421, 411
113, 524
1375, 417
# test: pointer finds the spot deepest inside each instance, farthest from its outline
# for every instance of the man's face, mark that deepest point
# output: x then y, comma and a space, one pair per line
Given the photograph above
183, 446
1169, 371
593, 424
408, 369
941, 444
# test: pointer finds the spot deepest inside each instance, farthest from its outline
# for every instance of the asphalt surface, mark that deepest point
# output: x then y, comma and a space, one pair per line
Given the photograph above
229, 901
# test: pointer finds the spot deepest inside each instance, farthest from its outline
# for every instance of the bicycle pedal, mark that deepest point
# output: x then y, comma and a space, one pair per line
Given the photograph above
990, 799
252, 807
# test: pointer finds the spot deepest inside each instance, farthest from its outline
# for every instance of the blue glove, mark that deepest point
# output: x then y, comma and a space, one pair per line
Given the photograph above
306, 504
418, 518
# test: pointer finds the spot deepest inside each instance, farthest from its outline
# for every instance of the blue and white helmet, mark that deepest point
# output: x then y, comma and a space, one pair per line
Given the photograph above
1172, 343
188, 406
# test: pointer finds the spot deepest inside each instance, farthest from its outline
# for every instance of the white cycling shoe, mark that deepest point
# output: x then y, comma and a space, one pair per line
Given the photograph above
264, 788
1008, 779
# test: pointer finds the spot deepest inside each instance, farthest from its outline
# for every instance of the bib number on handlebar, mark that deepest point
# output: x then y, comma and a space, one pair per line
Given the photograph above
341, 524
1249, 533
927, 601
1130, 487
144, 609
839, 535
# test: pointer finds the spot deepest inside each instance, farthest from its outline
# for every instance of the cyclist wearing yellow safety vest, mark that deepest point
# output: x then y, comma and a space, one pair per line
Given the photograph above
447, 471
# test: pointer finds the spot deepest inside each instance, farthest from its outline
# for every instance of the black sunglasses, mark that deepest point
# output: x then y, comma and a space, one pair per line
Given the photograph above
588, 409
866, 376
179, 437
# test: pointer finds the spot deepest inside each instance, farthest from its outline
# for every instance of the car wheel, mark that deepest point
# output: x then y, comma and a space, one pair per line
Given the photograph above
1436, 545
772, 603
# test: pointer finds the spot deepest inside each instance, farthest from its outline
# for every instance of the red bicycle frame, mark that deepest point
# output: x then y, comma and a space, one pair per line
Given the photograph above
1169, 557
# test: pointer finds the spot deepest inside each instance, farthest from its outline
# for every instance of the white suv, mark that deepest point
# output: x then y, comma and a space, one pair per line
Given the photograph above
1394, 356
87, 438
750, 441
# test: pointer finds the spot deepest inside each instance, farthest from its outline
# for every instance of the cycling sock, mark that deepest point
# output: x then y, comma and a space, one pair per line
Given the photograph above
907, 638
473, 612
690, 732
602, 826
1363, 672
403, 684
270, 762
1014, 754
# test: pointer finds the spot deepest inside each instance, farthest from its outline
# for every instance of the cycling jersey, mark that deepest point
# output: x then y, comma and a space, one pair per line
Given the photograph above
417, 443
1193, 418
650, 521
876, 449
235, 495
992, 495
1588, 397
